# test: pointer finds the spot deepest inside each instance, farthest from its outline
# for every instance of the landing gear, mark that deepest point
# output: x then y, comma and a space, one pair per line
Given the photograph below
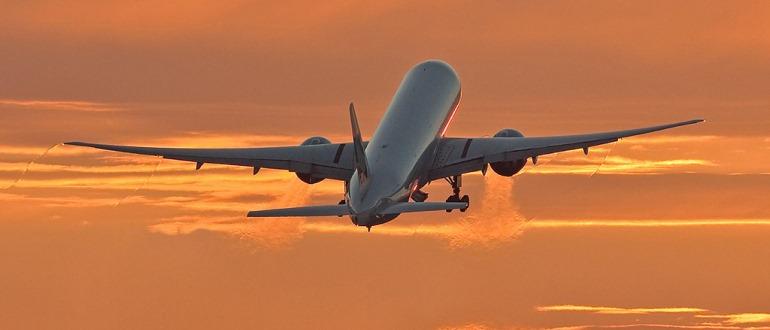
419, 196
457, 182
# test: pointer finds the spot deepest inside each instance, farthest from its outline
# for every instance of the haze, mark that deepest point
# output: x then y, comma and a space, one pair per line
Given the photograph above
665, 230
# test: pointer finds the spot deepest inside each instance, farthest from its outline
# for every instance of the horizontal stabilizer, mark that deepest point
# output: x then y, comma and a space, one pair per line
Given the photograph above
304, 211
423, 207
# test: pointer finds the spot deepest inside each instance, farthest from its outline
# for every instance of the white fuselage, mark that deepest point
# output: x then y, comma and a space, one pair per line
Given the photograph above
404, 145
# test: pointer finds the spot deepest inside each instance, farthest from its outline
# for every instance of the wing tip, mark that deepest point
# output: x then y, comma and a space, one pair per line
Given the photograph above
688, 122
84, 144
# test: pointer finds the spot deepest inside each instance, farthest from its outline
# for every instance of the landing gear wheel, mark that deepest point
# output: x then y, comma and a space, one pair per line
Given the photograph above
452, 199
467, 202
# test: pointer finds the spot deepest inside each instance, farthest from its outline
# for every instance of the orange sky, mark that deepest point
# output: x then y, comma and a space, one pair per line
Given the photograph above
665, 230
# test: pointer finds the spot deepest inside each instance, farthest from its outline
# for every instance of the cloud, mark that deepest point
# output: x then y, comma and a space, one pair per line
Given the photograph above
263, 232
266, 233
59, 201
668, 139
740, 318
471, 326
496, 220
690, 318
648, 326
216, 197
620, 165
657, 223
52, 105
617, 310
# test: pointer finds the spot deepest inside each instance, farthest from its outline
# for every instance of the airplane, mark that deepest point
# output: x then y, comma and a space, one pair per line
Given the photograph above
407, 151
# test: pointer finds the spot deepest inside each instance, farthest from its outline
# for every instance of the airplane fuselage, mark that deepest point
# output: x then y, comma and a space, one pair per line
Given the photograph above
404, 145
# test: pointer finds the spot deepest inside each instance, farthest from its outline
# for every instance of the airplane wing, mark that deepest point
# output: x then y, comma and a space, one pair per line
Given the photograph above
330, 161
462, 155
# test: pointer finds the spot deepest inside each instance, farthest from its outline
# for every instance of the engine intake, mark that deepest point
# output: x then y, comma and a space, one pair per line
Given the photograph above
313, 140
508, 168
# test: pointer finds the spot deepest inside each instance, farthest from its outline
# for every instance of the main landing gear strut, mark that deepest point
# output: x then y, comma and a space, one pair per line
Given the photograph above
457, 181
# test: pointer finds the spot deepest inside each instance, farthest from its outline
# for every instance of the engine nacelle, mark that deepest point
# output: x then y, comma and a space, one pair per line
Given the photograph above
314, 140
511, 167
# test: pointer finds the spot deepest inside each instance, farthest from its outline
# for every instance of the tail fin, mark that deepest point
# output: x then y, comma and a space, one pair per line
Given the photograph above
359, 157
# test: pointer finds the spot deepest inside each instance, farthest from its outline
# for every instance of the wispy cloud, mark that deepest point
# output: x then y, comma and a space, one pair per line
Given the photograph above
657, 223
498, 221
740, 318
665, 139
19, 150
652, 326
691, 317
617, 310
619, 165
265, 232
472, 326
59, 201
61, 105
216, 198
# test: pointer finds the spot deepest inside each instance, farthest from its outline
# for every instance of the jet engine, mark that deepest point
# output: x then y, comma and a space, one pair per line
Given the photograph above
509, 168
314, 140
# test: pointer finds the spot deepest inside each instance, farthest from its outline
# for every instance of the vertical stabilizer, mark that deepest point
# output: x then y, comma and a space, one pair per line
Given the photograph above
359, 157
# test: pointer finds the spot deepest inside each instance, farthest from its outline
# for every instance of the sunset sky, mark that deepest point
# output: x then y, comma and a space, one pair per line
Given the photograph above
664, 230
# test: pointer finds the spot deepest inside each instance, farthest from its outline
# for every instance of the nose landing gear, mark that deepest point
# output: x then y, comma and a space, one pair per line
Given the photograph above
457, 182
